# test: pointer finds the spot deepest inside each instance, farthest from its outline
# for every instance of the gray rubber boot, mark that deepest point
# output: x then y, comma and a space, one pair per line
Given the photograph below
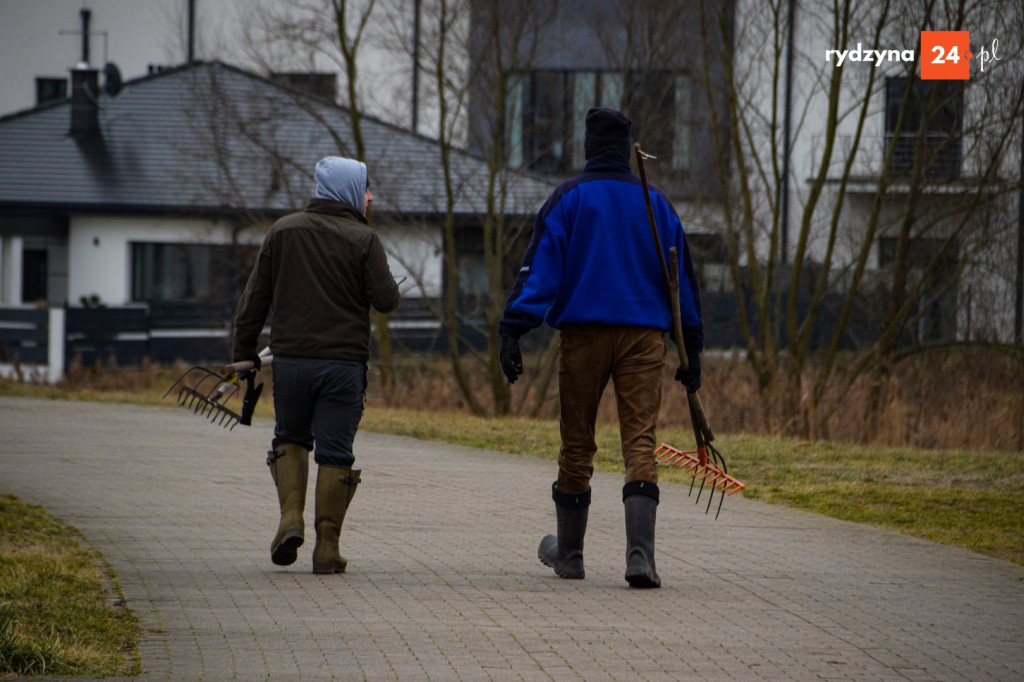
564, 553
640, 499
289, 466
335, 488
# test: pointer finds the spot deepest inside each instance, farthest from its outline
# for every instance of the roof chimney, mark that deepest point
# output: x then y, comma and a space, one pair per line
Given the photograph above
85, 100
85, 15
85, 87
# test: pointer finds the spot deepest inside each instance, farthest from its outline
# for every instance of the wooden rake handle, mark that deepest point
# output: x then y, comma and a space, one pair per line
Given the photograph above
670, 272
245, 365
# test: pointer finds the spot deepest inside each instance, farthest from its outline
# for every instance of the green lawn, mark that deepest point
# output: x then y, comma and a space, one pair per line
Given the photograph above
59, 612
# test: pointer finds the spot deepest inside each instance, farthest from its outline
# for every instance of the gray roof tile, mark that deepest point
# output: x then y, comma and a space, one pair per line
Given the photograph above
212, 137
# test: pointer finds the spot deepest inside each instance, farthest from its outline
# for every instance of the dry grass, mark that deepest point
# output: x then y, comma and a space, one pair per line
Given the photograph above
948, 398
960, 397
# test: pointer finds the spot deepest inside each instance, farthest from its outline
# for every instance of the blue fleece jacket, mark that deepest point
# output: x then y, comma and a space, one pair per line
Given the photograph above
592, 259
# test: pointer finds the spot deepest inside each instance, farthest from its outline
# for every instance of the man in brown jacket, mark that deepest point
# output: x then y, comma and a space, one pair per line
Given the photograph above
321, 269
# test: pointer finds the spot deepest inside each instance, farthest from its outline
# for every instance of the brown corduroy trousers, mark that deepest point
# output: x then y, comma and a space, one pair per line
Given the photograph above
634, 359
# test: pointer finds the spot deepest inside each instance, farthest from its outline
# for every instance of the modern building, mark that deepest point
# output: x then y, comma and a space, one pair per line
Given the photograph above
762, 146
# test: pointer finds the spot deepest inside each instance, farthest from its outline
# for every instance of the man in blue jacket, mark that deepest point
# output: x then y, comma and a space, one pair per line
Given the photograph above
591, 270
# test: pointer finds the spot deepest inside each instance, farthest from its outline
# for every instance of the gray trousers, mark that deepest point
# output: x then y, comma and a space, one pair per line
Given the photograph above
319, 404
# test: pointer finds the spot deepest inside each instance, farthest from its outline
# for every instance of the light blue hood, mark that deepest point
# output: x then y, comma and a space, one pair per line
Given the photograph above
341, 179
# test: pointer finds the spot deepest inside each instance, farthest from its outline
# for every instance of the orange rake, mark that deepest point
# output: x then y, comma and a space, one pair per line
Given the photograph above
712, 472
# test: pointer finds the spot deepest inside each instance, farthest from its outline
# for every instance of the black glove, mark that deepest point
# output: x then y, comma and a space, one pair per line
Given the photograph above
690, 377
510, 357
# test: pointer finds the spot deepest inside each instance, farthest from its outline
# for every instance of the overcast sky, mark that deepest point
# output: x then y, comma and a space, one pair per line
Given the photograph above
144, 32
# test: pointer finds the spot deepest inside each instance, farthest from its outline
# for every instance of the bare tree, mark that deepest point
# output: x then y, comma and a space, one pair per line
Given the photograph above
333, 32
901, 184
472, 50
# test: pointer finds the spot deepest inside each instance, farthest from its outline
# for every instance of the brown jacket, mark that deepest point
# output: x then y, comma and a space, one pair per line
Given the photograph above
322, 268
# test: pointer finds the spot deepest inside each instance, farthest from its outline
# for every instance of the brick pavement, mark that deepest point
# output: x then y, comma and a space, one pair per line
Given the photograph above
444, 584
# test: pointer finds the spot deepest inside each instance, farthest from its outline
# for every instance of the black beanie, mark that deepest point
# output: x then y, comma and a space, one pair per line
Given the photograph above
607, 134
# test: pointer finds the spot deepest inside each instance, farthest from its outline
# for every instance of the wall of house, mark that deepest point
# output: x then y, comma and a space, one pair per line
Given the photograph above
416, 252
99, 250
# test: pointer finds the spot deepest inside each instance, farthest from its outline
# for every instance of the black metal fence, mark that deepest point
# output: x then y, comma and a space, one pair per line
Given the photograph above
201, 333
24, 335
163, 332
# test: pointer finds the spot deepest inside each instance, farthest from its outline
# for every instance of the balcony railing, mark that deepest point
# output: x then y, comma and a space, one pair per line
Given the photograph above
941, 158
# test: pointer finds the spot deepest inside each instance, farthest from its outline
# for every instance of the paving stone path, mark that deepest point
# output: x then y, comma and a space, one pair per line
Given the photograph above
443, 580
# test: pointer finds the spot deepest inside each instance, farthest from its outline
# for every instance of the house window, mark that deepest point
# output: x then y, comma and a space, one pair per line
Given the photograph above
50, 89
932, 108
547, 115
189, 272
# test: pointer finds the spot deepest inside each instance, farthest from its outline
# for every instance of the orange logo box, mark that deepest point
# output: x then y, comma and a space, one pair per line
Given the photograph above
946, 55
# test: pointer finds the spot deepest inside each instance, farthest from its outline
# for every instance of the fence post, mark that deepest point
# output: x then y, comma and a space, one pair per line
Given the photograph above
55, 346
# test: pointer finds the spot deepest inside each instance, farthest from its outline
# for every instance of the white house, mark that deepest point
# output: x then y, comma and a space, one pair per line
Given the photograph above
160, 192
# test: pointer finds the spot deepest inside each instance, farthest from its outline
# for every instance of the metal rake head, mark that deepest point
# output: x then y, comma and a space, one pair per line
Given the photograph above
208, 395
711, 471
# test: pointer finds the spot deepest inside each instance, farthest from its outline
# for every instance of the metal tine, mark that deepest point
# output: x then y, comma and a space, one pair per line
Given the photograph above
182, 378
700, 490
209, 405
716, 477
222, 392
711, 473
719, 459
206, 378
724, 478
720, 501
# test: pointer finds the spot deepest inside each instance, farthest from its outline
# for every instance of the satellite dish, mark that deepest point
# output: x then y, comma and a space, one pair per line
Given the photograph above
112, 79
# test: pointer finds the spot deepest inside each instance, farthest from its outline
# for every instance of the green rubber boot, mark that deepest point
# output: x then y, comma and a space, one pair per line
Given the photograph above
335, 488
289, 465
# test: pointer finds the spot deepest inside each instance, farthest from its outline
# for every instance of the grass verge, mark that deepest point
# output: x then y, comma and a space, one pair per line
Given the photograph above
56, 614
